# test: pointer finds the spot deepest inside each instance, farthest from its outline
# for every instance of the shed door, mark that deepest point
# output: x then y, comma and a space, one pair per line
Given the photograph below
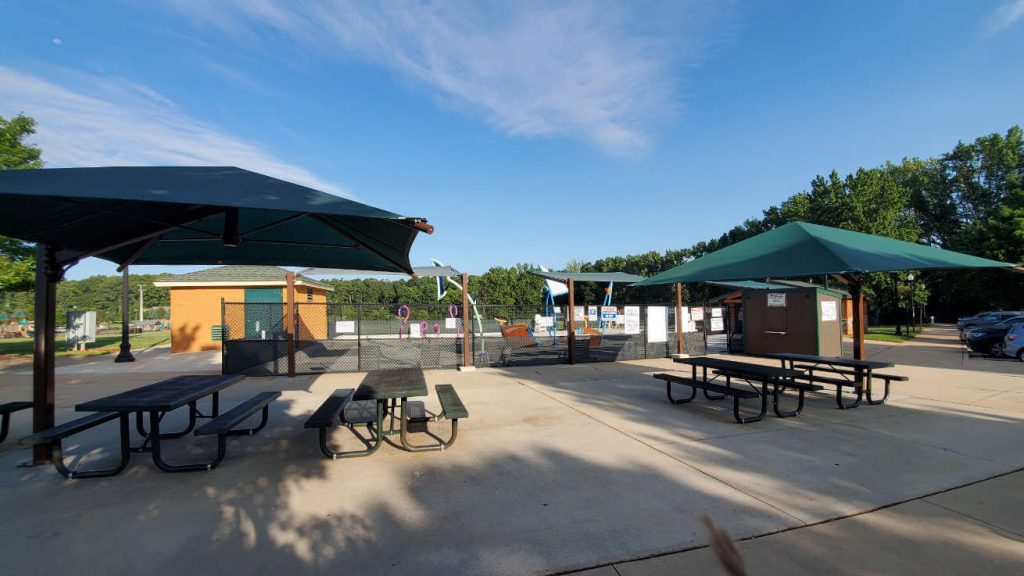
263, 320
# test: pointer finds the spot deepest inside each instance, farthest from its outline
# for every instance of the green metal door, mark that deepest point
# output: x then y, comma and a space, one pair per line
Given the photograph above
263, 313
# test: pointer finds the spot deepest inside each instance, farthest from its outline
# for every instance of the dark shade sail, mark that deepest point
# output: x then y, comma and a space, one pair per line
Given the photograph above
199, 215
800, 249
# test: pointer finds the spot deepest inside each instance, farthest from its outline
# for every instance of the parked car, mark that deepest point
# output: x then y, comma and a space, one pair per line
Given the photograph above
961, 323
988, 319
989, 339
1013, 344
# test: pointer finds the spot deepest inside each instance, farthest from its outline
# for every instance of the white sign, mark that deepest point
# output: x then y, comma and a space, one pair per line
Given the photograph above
592, 313
632, 319
414, 331
776, 299
609, 313
690, 326
716, 312
657, 324
344, 326
452, 323
578, 313
717, 325
81, 327
686, 315
544, 321
828, 311
697, 314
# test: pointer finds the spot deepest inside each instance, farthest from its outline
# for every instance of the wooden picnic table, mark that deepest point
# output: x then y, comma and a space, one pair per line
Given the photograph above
767, 376
861, 372
158, 399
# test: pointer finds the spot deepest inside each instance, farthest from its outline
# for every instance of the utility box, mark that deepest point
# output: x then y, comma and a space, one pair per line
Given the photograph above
796, 320
81, 328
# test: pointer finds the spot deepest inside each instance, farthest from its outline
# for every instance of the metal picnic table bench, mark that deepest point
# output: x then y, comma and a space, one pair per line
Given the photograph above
861, 371
158, 399
777, 378
368, 404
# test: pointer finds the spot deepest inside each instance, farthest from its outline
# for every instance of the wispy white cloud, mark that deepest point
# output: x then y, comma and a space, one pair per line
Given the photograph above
1005, 16
595, 71
104, 122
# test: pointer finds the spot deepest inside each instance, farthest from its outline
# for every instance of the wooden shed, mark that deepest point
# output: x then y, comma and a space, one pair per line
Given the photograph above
797, 320
196, 300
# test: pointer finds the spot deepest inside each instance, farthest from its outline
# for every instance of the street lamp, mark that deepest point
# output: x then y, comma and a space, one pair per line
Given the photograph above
910, 308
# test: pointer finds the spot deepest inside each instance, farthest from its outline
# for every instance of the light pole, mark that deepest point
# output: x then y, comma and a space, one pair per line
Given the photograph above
125, 355
910, 307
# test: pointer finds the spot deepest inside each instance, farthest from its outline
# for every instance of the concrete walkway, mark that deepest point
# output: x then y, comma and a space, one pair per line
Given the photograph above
558, 468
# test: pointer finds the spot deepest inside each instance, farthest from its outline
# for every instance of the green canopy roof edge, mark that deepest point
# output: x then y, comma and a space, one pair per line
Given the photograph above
561, 276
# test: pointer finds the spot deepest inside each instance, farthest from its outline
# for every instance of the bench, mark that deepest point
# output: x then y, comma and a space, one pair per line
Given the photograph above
339, 408
5, 412
54, 436
225, 424
452, 409
737, 394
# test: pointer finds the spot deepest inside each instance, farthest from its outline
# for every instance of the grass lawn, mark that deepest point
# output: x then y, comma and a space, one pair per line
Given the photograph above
888, 334
104, 344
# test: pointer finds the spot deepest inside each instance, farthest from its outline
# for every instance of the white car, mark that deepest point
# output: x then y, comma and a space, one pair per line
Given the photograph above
1013, 344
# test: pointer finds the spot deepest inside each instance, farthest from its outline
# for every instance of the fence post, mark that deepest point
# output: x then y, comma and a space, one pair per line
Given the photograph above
467, 354
289, 322
359, 338
679, 317
223, 346
570, 317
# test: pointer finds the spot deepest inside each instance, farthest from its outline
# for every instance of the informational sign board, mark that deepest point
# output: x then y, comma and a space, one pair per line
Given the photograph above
632, 319
609, 313
697, 314
829, 312
592, 313
686, 315
414, 331
578, 313
690, 326
544, 321
776, 299
657, 324
452, 323
81, 327
716, 312
717, 325
344, 326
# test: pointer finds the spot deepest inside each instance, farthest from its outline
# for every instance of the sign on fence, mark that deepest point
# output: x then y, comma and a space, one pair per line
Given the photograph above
657, 324
592, 313
632, 319
344, 327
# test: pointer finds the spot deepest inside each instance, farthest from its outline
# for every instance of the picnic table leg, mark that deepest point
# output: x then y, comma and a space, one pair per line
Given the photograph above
668, 390
764, 406
779, 388
439, 446
885, 396
154, 426
58, 456
854, 404
378, 430
192, 412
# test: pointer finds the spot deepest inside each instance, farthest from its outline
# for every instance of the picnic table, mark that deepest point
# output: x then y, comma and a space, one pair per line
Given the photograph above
773, 381
158, 399
852, 373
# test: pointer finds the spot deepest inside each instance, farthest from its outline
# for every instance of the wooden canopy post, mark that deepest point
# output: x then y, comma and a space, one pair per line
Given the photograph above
570, 318
289, 322
679, 318
48, 273
857, 294
467, 354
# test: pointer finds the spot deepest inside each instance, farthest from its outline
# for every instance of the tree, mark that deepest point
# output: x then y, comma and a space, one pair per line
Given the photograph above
17, 263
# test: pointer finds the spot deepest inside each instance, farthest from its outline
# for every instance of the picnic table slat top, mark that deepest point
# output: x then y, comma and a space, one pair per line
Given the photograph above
836, 361
161, 396
744, 368
396, 383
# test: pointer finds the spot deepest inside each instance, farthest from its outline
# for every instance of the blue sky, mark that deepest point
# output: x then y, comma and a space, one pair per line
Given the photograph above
524, 131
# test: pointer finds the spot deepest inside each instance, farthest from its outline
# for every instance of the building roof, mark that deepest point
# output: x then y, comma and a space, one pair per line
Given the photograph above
237, 276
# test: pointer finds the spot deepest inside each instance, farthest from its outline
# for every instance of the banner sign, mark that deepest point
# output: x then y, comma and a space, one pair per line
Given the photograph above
632, 319
657, 324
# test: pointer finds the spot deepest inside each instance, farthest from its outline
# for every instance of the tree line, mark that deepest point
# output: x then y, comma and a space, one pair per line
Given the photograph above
970, 199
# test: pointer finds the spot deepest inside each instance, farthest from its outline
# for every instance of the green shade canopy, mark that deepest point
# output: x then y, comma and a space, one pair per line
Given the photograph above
617, 277
199, 215
800, 249
751, 285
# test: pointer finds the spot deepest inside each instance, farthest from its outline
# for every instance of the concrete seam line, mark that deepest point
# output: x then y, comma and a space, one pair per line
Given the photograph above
926, 445
975, 518
663, 453
818, 523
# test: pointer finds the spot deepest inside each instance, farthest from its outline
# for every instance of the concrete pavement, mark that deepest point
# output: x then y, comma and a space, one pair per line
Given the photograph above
558, 468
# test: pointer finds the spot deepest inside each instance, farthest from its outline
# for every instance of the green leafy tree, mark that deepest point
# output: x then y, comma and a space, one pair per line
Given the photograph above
17, 262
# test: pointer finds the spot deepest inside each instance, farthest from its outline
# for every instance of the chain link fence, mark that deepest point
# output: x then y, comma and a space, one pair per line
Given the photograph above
332, 337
